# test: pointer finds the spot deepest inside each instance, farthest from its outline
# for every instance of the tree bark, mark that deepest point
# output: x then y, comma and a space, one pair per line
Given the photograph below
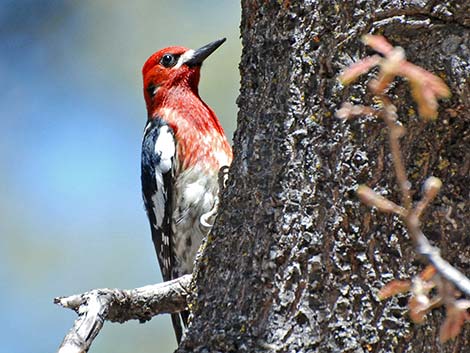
295, 261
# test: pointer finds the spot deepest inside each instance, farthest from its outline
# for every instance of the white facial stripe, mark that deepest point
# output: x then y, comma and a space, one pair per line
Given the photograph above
183, 58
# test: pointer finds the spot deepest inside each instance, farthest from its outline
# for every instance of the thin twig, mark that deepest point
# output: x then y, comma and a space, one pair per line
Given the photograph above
118, 305
396, 131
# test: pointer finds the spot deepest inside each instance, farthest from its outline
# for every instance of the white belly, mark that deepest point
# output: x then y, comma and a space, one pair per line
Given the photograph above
195, 194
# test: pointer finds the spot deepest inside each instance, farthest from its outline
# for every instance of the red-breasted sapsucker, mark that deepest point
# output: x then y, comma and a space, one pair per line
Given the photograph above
183, 149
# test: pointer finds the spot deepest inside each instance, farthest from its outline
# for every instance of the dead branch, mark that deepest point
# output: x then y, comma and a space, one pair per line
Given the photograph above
119, 305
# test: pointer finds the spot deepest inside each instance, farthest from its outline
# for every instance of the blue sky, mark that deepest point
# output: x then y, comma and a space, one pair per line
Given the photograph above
72, 112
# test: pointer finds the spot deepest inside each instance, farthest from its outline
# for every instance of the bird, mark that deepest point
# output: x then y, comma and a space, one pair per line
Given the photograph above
183, 149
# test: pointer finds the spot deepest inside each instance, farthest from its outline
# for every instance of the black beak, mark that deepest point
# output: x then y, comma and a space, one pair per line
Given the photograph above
202, 53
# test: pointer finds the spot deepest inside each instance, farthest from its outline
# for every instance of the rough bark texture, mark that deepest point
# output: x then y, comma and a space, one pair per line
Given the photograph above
295, 261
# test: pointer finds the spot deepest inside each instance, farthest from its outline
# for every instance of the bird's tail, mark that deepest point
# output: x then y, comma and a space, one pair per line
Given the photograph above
176, 319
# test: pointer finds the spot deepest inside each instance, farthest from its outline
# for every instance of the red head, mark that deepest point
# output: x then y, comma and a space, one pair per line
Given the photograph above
172, 69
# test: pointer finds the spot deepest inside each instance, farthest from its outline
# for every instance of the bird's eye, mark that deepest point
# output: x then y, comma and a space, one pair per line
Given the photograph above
168, 60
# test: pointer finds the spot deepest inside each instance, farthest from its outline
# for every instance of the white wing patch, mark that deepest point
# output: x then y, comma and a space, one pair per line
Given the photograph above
165, 149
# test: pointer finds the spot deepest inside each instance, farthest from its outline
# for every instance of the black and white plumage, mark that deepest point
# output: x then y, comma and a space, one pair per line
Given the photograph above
179, 203
178, 199
157, 172
183, 149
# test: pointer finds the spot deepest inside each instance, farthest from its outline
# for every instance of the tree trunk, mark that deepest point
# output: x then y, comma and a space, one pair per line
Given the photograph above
295, 261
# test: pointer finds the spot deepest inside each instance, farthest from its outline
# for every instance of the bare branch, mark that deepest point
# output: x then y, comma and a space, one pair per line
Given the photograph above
395, 132
118, 305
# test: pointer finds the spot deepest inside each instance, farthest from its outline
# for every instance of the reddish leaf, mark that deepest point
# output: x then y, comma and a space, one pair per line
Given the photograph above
426, 101
426, 88
378, 43
415, 73
393, 288
419, 305
351, 73
428, 273
456, 315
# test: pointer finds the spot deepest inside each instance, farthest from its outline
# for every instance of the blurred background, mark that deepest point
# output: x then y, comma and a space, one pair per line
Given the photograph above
72, 116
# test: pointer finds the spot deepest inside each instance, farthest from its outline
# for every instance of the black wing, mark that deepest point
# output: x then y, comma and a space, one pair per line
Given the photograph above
158, 168
158, 159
